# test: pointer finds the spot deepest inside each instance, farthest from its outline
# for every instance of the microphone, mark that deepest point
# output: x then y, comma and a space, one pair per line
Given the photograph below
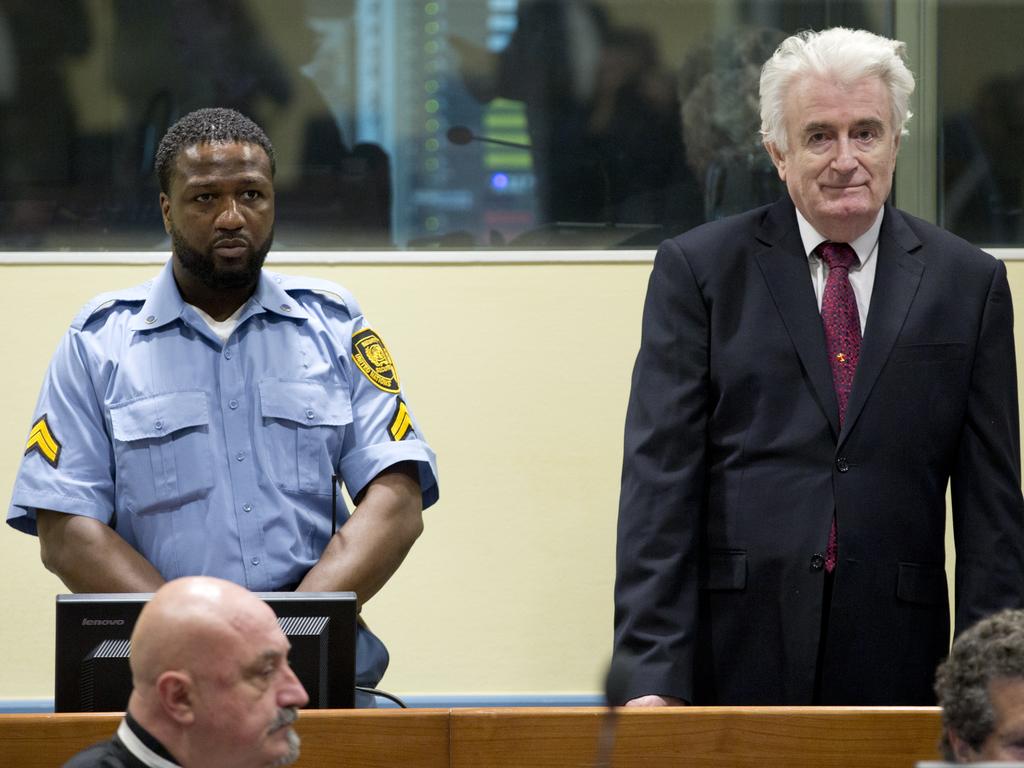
461, 135
616, 688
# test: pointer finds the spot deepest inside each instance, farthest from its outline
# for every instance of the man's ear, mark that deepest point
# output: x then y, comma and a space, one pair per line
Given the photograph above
177, 696
962, 751
165, 211
778, 159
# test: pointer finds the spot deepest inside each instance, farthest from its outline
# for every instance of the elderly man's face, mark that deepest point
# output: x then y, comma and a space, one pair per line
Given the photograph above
248, 700
1006, 742
841, 155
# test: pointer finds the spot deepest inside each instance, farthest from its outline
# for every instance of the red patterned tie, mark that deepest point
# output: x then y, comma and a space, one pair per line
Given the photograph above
841, 320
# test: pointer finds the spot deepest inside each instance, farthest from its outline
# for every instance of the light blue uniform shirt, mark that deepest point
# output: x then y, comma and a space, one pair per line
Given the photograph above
217, 458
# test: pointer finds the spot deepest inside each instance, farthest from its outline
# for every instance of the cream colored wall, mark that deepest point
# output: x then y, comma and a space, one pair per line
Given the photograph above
519, 375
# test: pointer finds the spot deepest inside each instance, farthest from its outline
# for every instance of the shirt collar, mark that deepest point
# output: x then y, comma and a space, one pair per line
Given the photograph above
143, 745
863, 245
165, 305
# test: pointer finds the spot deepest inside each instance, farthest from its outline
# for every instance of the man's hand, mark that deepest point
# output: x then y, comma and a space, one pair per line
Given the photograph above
90, 556
654, 700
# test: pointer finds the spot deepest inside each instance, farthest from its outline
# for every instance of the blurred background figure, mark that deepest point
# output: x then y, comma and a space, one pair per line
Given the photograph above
38, 126
601, 114
983, 164
718, 91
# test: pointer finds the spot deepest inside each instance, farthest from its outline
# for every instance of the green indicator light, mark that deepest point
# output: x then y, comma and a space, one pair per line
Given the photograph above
431, 86
431, 145
431, 9
431, 47
431, 164
432, 106
432, 28
432, 223
432, 125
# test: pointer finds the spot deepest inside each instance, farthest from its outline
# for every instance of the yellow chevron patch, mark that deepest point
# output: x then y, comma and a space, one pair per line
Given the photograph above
401, 422
41, 439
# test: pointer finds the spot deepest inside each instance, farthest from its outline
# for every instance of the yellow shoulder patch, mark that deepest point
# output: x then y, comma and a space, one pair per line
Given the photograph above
42, 440
401, 422
374, 360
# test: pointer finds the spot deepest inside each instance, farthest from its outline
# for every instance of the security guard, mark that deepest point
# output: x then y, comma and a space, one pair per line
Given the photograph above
195, 425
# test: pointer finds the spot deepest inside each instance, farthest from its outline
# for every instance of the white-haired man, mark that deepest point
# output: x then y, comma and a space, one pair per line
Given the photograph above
811, 376
211, 684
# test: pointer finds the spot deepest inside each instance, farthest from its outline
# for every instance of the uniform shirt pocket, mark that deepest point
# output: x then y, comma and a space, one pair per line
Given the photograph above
161, 450
303, 425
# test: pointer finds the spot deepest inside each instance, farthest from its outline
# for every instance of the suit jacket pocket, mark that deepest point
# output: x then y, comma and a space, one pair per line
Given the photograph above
726, 569
924, 353
925, 584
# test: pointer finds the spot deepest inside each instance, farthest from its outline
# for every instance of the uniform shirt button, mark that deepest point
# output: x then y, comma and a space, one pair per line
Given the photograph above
817, 561
159, 424
151, 319
842, 464
227, 353
247, 507
240, 455
232, 404
309, 413
255, 561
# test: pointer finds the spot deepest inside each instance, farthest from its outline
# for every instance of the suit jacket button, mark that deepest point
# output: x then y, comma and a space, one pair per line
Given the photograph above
817, 562
842, 464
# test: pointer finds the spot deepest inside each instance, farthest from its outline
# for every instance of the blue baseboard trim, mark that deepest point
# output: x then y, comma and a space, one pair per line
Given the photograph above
25, 706
423, 701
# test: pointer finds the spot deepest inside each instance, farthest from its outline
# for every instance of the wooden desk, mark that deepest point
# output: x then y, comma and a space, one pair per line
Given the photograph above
701, 737
698, 737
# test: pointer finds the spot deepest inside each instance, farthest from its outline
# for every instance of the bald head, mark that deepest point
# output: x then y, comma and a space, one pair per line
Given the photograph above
188, 621
211, 676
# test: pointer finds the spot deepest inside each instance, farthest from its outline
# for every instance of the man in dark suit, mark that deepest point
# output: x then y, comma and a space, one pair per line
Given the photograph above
811, 375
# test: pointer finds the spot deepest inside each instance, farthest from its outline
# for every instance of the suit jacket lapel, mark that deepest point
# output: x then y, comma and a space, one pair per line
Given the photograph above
897, 277
784, 265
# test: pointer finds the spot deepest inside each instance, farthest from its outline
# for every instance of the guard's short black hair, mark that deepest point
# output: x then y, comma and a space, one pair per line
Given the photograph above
207, 126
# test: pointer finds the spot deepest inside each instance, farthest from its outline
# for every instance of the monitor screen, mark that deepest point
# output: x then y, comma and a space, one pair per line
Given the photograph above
93, 644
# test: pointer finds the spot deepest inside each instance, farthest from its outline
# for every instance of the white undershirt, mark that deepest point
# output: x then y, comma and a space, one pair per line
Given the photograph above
223, 328
862, 277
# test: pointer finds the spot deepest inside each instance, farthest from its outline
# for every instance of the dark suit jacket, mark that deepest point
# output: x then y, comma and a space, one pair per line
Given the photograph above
734, 464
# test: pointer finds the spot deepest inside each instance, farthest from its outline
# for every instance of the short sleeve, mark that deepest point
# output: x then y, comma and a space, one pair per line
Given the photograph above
384, 430
67, 464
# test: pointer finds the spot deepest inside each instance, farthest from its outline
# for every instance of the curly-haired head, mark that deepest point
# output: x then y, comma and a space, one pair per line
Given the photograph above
207, 126
991, 649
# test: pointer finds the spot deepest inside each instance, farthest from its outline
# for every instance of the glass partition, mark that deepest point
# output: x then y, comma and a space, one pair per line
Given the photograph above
981, 112
414, 124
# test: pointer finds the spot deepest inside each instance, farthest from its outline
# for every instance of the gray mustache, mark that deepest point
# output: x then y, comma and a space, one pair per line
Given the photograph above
285, 717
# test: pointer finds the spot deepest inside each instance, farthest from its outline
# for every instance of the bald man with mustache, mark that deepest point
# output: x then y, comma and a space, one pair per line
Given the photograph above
212, 684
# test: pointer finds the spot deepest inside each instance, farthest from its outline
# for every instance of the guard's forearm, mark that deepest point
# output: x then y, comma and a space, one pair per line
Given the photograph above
90, 556
367, 550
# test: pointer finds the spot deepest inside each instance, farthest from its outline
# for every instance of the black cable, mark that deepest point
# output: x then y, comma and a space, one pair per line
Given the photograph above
384, 694
334, 504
